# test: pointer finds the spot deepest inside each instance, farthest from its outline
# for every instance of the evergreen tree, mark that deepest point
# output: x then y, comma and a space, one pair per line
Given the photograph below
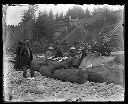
75, 12
87, 14
43, 26
61, 17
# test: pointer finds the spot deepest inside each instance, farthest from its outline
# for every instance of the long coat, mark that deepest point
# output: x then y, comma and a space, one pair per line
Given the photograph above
25, 57
17, 52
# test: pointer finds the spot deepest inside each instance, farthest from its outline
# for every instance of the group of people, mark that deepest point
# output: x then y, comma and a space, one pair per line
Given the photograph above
102, 50
23, 58
54, 51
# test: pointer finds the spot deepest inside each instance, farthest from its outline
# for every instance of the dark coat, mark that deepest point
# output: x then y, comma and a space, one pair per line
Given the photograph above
58, 53
24, 58
18, 49
84, 54
17, 52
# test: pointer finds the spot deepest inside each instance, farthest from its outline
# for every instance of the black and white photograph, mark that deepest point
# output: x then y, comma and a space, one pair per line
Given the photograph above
63, 53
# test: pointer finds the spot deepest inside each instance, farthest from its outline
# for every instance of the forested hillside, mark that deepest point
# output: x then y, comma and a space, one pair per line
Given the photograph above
40, 31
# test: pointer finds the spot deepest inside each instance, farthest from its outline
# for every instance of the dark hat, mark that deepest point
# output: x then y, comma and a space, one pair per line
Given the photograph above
20, 43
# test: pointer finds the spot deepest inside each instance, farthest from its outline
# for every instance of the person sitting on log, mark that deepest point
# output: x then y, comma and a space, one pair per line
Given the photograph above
49, 53
68, 64
72, 51
102, 50
58, 52
106, 49
83, 54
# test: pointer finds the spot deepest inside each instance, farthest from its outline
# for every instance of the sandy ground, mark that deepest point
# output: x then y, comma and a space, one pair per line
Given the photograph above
42, 89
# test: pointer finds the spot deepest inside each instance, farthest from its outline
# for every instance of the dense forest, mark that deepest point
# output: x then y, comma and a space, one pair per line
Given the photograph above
41, 30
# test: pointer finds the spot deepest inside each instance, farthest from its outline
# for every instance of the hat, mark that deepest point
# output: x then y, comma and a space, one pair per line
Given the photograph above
50, 47
81, 48
72, 47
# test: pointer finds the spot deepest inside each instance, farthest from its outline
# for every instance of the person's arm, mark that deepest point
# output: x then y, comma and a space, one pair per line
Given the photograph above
21, 52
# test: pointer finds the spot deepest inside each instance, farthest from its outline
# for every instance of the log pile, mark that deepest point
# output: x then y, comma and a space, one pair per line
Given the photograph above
94, 69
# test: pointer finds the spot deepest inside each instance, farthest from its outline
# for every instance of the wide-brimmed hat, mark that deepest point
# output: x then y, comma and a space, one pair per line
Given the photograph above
50, 47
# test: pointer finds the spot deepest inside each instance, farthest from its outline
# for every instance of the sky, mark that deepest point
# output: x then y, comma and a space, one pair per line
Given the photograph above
14, 13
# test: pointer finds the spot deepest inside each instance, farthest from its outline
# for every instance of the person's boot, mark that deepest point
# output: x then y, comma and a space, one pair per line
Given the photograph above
32, 72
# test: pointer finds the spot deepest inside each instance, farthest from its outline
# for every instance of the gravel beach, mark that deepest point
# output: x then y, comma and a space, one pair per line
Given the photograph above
43, 89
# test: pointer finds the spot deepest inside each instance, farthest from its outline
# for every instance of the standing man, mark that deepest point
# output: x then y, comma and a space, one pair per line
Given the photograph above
25, 59
17, 52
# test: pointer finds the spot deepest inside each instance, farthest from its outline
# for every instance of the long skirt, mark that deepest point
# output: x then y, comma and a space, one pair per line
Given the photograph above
16, 64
